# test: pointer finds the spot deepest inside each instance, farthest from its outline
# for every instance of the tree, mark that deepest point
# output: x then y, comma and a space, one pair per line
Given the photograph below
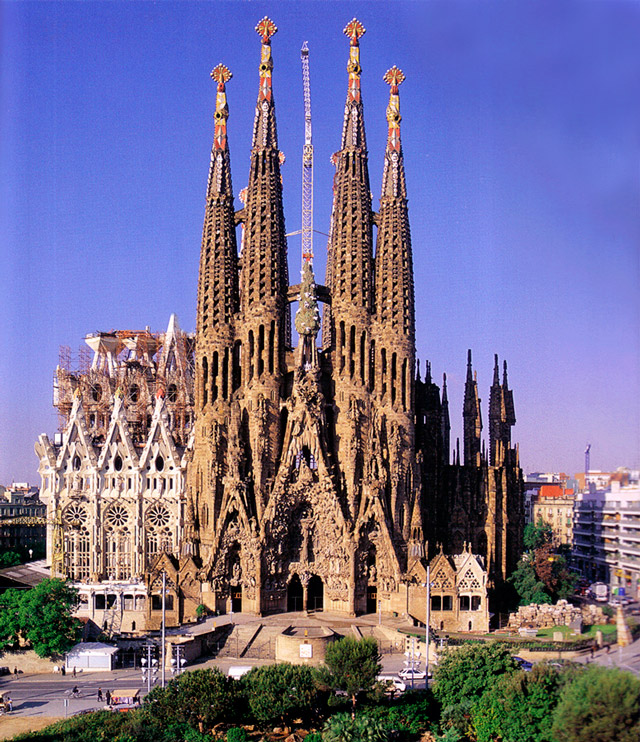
9, 559
519, 706
537, 535
199, 698
42, 616
45, 617
280, 692
9, 618
352, 665
529, 588
599, 705
464, 674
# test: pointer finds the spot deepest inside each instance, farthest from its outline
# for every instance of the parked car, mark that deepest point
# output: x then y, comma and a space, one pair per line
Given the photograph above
524, 664
394, 684
409, 672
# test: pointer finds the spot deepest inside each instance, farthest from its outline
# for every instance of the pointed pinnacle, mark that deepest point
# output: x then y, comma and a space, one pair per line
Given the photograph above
394, 77
354, 30
266, 28
221, 74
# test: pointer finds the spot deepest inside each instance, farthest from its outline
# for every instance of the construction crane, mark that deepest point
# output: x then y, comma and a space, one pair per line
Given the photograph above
307, 163
307, 167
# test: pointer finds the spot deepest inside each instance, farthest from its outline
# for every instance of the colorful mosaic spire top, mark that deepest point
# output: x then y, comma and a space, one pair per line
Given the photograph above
221, 75
354, 30
393, 78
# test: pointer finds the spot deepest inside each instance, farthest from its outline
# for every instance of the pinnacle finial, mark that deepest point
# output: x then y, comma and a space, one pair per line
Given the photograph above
394, 77
221, 74
266, 28
354, 30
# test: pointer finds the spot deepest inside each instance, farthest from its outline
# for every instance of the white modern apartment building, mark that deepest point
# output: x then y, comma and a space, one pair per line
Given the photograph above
606, 535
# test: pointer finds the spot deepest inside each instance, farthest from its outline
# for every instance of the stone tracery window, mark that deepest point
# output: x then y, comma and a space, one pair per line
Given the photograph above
75, 516
117, 544
77, 552
158, 536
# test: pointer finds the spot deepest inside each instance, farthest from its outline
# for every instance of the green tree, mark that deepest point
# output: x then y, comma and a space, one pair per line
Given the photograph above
537, 535
351, 665
9, 559
599, 705
529, 588
280, 692
519, 706
9, 618
464, 674
45, 617
199, 698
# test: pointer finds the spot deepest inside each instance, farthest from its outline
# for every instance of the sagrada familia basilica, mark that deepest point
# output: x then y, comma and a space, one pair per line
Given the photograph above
262, 476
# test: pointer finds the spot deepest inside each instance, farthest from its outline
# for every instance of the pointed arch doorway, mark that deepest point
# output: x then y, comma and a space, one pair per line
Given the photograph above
315, 594
295, 595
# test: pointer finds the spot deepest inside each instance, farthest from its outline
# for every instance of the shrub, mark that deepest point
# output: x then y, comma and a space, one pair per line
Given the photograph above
599, 705
237, 734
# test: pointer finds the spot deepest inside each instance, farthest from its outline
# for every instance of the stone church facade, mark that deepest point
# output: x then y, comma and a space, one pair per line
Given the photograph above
320, 472
262, 476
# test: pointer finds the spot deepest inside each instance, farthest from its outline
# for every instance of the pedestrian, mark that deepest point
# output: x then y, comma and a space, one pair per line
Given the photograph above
8, 702
608, 648
15, 670
63, 671
108, 697
592, 651
74, 671
99, 694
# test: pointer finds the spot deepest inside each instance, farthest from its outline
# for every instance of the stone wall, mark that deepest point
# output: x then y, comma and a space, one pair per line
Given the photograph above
561, 614
546, 616
28, 662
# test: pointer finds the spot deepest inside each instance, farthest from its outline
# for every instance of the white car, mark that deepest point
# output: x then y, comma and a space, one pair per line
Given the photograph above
409, 673
394, 684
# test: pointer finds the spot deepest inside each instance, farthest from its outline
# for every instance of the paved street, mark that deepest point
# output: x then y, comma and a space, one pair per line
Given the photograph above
49, 695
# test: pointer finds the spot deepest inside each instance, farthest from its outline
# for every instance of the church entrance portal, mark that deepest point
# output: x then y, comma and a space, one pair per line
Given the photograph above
236, 599
295, 601
315, 594
372, 599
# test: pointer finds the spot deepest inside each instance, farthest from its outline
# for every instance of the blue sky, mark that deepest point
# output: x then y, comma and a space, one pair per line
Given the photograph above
521, 139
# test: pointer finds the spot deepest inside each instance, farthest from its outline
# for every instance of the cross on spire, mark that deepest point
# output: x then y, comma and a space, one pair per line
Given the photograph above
266, 28
354, 30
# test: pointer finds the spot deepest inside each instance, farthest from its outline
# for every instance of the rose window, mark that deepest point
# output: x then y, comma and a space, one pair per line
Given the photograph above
75, 516
117, 516
158, 516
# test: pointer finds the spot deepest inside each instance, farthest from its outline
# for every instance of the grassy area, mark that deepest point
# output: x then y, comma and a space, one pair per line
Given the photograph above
587, 633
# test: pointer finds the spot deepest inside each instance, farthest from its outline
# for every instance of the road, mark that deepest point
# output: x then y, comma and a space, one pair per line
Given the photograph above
45, 695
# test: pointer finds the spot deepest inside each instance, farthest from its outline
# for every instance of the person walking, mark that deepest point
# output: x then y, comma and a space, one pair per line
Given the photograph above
74, 671
100, 694
8, 703
108, 697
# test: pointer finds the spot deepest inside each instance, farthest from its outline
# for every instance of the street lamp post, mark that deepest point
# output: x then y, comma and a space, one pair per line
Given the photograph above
428, 621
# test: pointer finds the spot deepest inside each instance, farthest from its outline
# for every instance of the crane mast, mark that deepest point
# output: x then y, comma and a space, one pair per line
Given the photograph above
307, 163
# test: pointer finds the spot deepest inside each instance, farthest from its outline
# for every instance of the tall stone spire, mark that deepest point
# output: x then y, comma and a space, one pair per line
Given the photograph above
472, 418
218, 280
264, 280
395, 310
216, 375
347, 329
350, 252
445, 422
496, 418
393, 327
